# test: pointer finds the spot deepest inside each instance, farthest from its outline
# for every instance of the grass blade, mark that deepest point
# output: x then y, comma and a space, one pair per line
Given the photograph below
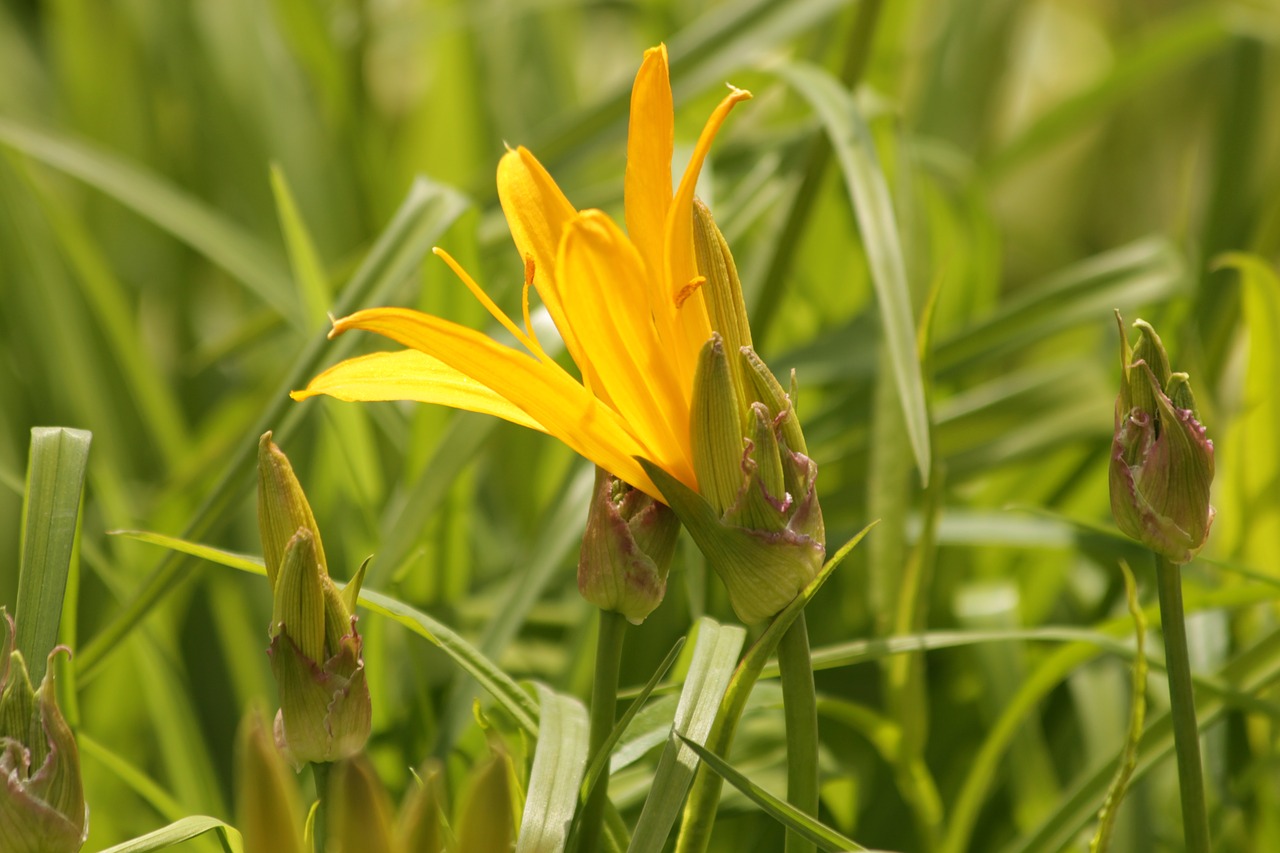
191, 221
558, 764
180, 831
786, 814
873, 207
50, 524
715, 655
426, 212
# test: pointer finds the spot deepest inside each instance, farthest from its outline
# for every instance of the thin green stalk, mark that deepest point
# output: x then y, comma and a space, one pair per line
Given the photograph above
1182, 707
320, 777
604, 708
800, 708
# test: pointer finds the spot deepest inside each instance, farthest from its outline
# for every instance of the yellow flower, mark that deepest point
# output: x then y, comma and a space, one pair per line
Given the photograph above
627, 305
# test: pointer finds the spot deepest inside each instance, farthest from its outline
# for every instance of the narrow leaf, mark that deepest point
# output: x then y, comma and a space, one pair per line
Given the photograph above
558, 764
715, 655
50, 520
873, 207
308, 270
605, 754
786, 814
425, 213
189, 220
180, 831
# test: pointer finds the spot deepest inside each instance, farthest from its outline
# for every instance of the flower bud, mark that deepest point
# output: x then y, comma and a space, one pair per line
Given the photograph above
722, 289
626, 549
1161, 461
360, 816
282, 507
486, 820
267, 805
325, 712
421, 825
42, 808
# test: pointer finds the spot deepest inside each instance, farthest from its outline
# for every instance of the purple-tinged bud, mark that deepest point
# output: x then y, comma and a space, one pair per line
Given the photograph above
626, 549
42, 808
1161, 462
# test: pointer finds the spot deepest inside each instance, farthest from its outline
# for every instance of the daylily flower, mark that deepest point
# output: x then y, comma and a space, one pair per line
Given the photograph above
628, 306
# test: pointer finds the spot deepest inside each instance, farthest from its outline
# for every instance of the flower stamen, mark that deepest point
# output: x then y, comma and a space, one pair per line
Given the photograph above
529, 343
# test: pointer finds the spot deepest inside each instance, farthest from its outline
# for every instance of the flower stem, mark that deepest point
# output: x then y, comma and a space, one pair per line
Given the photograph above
320, 777
800, 708
1186, 735
604, 706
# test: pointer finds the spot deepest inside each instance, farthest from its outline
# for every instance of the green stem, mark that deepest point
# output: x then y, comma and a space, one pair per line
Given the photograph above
800, 708
604, 707
1186, 735
320, 777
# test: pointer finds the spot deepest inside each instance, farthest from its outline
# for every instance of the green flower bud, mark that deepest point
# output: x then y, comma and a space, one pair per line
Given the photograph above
360, 816
267, 803
626, 549
1161, 462
722, 290
421, 825
282, 507
42, 808
325, 712
487, 818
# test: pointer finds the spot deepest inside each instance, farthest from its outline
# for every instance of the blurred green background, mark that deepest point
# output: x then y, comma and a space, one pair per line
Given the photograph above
187, 188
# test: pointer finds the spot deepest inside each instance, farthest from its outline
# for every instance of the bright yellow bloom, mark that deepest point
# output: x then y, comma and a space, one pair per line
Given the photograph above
628, 306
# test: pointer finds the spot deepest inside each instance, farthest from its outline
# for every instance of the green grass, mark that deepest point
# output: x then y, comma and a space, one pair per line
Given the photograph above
187, 189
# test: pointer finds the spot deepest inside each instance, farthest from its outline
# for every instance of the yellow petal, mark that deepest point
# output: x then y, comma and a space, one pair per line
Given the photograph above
537, 213
543, 390
411, 375
606, 293
693, 327
649, 148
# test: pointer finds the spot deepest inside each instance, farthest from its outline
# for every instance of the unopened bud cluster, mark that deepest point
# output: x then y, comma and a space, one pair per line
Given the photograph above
757, 520
325, 712
1161, 459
